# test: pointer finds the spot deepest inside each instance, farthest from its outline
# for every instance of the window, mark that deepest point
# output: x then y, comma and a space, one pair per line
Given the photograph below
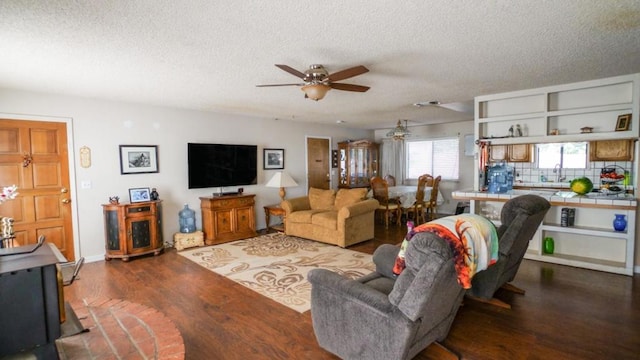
435, 157
563, 155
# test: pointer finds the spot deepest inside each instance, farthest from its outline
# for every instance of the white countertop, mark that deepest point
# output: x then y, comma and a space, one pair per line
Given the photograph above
554, 196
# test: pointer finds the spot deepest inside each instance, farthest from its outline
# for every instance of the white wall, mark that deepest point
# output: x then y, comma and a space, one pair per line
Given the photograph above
103, 125
459, 129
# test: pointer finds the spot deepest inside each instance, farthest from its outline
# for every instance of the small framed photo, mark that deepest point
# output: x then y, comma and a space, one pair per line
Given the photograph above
138, 159
334, 159
273, 158
137, 195
624, 121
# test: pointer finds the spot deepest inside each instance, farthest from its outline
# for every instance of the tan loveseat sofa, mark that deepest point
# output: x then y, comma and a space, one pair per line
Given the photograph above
341, 218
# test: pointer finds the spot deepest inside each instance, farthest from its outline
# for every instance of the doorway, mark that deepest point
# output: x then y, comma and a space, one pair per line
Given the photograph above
34, 157
318, 163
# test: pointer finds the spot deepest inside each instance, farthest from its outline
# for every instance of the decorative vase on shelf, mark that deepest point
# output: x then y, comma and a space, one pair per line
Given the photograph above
548, 245
619, 222
187, 220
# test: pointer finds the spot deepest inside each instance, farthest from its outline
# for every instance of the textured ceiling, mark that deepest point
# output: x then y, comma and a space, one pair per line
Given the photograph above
209, 55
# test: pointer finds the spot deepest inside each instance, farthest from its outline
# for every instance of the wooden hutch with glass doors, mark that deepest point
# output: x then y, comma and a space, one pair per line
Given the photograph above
358, 162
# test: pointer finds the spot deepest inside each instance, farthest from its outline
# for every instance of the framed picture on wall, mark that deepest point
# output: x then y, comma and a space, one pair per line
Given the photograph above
273, 158
624, 121
138, 159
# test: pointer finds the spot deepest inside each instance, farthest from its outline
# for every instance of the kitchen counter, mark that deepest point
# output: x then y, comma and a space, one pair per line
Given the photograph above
556, 198
591, 242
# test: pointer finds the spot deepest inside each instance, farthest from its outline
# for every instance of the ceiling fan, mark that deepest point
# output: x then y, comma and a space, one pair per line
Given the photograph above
317, 80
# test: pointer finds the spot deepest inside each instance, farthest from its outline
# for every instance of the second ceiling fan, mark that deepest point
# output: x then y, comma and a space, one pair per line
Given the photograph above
317, 80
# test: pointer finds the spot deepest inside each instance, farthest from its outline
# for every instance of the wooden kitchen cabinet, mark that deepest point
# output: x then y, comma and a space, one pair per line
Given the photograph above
611, 150
511, 153
133, 229
228, 218
498, 152
520, 153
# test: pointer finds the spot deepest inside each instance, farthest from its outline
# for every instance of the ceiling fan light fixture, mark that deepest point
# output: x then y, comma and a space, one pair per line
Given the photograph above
316, 91
399, 132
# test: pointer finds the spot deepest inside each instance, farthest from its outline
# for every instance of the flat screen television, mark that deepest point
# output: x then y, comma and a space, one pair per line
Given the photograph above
219, 165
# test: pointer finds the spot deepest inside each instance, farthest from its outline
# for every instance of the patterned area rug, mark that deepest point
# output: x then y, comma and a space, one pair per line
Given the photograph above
276, 265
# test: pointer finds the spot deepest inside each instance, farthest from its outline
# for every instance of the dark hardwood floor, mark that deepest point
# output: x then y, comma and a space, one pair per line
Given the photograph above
567, 313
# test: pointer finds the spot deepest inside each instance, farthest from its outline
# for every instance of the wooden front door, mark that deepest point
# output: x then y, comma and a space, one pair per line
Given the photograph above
33, 156
318, 163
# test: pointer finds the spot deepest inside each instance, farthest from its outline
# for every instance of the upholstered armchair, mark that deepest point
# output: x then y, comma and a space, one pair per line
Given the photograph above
520, 218
381, 316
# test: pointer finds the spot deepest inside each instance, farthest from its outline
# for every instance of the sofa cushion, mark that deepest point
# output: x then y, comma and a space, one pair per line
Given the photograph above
320, 199
346, 197
302, 216
326, 219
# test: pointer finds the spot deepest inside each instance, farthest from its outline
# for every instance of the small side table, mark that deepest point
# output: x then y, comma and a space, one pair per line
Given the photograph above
274, 210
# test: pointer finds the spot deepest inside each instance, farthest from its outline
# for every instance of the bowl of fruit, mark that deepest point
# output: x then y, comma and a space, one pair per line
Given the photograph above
611, 175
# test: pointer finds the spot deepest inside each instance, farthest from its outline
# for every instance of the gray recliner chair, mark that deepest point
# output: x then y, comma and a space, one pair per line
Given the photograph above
383, 316
520, 218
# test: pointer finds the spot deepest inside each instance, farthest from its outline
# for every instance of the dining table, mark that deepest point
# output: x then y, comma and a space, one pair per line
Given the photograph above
407, 194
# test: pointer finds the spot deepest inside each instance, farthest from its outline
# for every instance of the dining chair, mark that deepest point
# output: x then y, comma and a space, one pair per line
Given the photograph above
431, 205
390, 179
418, 207
387, 206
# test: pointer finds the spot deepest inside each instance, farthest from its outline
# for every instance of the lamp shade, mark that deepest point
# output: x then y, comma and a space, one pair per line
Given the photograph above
316, 91
281, 180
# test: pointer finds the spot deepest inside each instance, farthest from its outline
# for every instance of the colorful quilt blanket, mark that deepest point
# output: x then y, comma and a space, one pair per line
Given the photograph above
472, 238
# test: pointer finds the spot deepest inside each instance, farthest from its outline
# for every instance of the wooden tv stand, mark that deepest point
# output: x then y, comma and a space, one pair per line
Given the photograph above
228, 218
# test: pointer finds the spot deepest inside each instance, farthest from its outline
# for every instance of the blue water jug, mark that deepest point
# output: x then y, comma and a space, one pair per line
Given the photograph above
187, 220
500, 177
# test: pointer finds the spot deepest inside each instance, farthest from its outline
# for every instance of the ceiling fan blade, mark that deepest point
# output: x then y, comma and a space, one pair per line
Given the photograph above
267, 85
345, 74
348, 87
291, 71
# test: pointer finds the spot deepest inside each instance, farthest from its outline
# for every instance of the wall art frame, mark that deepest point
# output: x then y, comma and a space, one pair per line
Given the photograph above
137, 195
273, 159
138, 159
623, 123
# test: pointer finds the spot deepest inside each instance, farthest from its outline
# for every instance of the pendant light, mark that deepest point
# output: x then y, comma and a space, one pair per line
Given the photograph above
399, 132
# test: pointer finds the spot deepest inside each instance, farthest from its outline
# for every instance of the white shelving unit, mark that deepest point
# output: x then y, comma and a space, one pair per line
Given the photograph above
567, 108
591, 243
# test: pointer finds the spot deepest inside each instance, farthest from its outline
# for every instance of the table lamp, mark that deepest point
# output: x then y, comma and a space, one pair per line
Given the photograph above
281, 180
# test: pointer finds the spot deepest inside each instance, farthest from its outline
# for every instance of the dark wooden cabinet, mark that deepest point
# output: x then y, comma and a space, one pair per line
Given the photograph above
228, 218
133, 229
358, 163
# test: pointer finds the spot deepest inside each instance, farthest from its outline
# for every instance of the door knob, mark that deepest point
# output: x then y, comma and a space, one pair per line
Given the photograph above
66, 201
64, 190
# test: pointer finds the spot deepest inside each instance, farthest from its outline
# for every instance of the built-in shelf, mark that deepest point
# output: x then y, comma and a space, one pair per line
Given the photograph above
584, 230
617, 135
581, 261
